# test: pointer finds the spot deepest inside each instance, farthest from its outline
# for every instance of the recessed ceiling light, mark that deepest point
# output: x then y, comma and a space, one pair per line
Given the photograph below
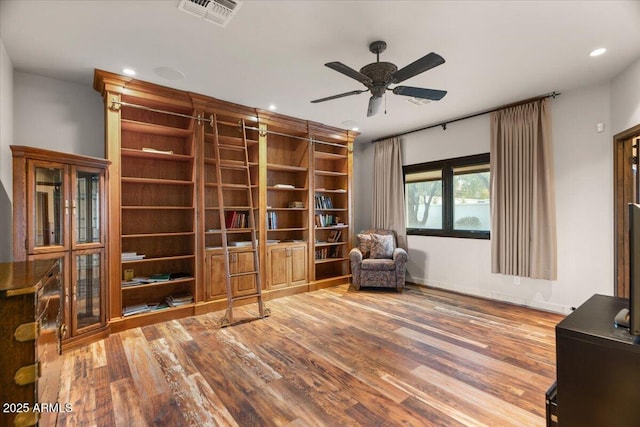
355, 128
272, 107
598, 52
129, 71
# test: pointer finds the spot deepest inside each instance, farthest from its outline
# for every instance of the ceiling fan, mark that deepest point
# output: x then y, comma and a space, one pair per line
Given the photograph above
378, 76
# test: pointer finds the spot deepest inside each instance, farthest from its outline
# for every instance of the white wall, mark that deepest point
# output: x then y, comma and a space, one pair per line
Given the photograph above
584, 198
6, 139
45, 113
58, 115
625, 99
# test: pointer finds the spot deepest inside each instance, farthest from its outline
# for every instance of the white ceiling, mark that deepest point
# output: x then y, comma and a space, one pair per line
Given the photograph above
496, 52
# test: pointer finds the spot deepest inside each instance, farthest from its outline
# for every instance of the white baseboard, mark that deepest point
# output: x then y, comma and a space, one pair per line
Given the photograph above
493, 295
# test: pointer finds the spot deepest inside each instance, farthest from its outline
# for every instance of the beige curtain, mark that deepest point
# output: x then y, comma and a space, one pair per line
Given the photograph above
388, 210
523, 222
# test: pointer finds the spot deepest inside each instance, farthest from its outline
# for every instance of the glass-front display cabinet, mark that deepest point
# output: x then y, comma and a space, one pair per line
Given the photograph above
60, 212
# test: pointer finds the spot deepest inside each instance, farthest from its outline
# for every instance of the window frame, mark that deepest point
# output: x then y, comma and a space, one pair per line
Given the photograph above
447, 167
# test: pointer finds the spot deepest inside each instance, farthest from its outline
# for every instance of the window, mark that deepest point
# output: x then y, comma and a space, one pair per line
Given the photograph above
449, 197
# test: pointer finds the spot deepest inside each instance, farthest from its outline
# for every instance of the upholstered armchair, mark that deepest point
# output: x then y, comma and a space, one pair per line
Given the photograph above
378, 261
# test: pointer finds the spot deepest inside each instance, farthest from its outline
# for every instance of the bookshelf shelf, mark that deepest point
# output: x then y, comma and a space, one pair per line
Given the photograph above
159, 208
158, 259
158, 284
147, 235
130, 180
330, 260
330, 173
129, 152
154, 129
289, 168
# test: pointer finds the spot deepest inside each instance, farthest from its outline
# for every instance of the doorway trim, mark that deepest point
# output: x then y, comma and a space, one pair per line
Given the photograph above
624, 192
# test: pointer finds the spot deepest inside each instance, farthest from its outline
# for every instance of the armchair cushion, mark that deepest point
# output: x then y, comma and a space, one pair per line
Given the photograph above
382, 246
364, 244
373, 264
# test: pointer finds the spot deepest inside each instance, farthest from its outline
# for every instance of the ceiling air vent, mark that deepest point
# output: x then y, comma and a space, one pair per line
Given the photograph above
217, 11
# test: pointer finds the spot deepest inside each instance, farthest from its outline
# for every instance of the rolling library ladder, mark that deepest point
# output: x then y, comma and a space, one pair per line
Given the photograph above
236, 218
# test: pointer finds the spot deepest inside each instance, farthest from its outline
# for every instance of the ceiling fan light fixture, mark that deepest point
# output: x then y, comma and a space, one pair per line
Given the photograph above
378, 76
375, 102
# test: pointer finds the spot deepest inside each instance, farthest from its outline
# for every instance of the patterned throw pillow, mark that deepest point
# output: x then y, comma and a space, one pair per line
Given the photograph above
382, 246
364, 244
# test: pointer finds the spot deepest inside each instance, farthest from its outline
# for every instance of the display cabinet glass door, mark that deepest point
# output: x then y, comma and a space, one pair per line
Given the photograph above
50, 207
87, 212
86, 289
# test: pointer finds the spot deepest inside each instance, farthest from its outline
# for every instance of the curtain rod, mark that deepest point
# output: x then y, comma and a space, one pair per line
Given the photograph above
469, 116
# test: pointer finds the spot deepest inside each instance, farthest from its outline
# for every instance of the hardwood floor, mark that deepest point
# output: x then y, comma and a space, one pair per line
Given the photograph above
333, 357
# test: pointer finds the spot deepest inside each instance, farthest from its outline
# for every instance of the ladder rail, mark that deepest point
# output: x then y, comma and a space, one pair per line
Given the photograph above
228, 318
252, 223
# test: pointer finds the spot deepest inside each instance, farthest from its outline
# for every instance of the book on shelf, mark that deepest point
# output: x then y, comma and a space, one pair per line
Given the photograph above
334, 236
327, 252
284, 186
144, 307
160, 277
131, 256
155, 278
272, 220
179, 299
135, 309
153, 150
323, 220
236, 219
323, 202
129, 283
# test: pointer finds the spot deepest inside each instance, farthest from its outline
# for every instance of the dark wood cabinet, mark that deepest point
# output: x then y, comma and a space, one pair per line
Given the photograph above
31, 330
598, 367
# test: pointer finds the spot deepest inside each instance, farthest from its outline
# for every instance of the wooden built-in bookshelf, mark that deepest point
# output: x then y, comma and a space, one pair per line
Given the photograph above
166, 184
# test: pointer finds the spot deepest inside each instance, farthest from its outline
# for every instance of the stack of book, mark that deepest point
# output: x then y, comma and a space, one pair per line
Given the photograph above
131, 256
272, 220
130, 310
235, 219
325, 253
323, 220
323, 202
135, 309
179, 299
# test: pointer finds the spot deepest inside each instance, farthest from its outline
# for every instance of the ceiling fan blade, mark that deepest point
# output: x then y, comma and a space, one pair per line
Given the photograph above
418, 92
421, 65
329, 98
374, 105
350, 72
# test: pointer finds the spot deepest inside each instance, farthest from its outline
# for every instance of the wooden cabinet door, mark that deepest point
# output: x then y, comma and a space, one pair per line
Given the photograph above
87, 208
243, 285
48, 207
277, 266
87, 290
215, 276
298, 264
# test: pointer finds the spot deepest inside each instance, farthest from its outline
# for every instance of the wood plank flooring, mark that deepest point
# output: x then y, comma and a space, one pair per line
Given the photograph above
333, 357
